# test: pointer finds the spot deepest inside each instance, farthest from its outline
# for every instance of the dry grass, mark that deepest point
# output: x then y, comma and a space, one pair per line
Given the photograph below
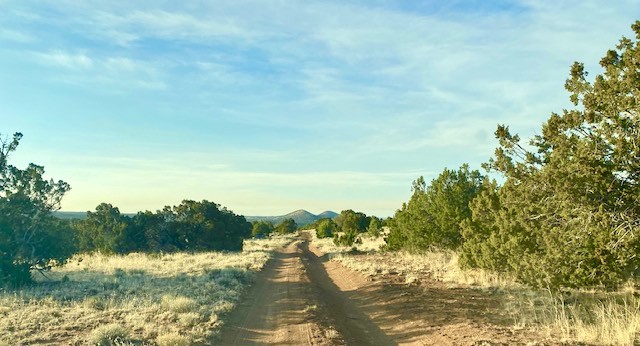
439, 265
109, 334
268, 244
136, 299
583, 317
591, 317
173, 339
365, 243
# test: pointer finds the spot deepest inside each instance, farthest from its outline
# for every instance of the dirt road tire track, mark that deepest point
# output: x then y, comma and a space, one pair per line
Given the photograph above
347, 318
301, 298
293, 302
277, 308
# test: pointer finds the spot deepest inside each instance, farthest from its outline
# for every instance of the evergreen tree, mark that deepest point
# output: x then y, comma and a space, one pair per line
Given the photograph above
569, 211
30, 236
374, 227
287, 226
326, 228
262, 228
104, 230
433, 215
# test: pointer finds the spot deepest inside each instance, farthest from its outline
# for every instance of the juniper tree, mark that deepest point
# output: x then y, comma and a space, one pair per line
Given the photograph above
433, 215
568, 213
30, 236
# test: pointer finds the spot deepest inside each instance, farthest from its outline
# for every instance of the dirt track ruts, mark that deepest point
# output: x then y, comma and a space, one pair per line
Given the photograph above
301, 298
276, 308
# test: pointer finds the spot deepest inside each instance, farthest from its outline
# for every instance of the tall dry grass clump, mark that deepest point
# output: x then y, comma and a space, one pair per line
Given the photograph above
108, 335
173, 339
589, 317
142, 299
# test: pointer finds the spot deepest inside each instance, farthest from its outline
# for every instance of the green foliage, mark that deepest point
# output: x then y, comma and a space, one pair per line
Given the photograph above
262, 228
205, 226
287, 226
374, 227
348, 238
326, 227
30, 237
569, 212
190, 226
152, 232
349, 220
433, 215
103, 230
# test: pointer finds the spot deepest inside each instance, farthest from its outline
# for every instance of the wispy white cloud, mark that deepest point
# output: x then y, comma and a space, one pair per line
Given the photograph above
83, 69
352, 87
16, 36
66, 60
127, 28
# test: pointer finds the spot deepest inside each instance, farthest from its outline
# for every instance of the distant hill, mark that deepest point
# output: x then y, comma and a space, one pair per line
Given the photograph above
327, 214
301, 217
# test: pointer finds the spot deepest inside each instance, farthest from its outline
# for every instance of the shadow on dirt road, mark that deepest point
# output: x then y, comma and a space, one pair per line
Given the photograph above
347, 318
302, 298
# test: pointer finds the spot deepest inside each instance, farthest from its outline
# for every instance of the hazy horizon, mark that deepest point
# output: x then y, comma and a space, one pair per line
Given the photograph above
266, 109
282, 214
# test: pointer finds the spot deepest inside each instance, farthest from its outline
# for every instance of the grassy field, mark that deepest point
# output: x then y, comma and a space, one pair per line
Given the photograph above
440, 265
609, 318
136, 299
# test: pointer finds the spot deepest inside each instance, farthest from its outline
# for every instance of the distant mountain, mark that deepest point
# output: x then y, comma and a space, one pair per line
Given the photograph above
327, 214
301, 217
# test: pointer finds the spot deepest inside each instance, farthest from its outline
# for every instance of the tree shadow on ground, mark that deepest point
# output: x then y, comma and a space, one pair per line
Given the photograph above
430, 312
353, 323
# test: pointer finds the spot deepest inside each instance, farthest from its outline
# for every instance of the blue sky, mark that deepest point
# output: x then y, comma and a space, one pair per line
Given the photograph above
270, 106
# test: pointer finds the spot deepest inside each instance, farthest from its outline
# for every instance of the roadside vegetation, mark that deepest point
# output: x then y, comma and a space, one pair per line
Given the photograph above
32, 239
560, 233
163, 278
581, 315
134, 299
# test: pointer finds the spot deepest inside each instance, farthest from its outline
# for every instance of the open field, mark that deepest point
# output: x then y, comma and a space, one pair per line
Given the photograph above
136, 299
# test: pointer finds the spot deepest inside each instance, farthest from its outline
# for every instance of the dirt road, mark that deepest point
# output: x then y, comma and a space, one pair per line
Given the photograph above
278, 309
301, 298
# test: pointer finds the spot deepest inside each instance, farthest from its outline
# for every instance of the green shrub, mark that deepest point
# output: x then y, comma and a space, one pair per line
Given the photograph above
326, 228
30, 236
347, 239
262, 228
287, 226
374, 227
190, 226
